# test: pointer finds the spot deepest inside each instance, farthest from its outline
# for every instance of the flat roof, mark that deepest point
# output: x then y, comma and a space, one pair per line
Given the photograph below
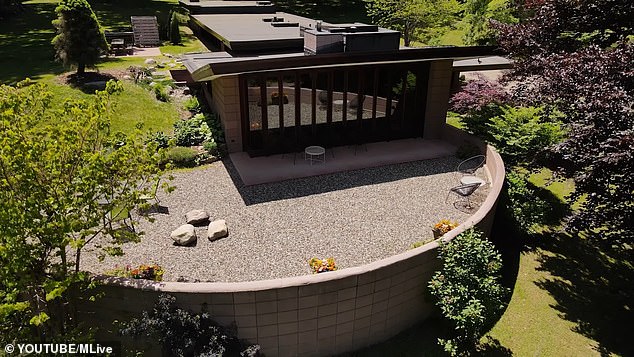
227, 6
207, 66
250, 31
485, 63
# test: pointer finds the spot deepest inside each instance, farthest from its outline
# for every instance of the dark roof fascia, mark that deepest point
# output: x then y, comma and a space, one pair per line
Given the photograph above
210, 31
249, 64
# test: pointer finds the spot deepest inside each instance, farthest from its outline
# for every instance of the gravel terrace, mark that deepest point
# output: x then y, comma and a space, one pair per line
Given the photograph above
355, 217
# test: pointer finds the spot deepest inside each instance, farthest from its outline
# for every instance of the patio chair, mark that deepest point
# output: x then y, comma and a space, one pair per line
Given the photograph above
465, 191
122, 216
151, 198
469, 166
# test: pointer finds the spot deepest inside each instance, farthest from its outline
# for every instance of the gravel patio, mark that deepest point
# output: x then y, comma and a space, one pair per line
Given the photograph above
355, 217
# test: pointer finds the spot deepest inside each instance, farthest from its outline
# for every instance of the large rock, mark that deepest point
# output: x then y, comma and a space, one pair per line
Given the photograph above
184, 235
150, 61
197, 216
217, 229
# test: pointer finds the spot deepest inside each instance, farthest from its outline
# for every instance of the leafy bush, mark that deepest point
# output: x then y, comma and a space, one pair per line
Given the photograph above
192, 104
211, 147
527, 208
467, 289
520, 133
161, 92
182, 156
183, 333
160, 138
479, 100
192, 131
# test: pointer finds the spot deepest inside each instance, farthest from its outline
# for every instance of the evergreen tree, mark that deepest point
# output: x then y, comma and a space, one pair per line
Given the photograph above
80, 39
174, 30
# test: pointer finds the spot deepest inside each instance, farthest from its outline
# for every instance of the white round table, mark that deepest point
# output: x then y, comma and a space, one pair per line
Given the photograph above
315, 154
466, 180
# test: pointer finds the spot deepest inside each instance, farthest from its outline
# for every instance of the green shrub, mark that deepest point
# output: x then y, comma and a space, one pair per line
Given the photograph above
192, 104
520, 133
161, 92
160, 138
182, 156
192, 131
184, 333
527, 209
211, 147
467, 289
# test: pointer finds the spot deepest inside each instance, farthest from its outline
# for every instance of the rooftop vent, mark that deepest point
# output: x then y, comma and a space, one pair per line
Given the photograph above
273, 19
285, 24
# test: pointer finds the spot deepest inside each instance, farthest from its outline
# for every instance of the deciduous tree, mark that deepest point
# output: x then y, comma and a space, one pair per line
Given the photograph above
80, 39
576, 56
412, 17
478, 17
66, 182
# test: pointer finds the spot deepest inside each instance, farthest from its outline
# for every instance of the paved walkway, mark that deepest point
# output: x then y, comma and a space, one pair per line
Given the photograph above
276, 168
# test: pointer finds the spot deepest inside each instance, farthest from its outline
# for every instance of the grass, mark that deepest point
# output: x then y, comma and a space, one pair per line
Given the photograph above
26, 51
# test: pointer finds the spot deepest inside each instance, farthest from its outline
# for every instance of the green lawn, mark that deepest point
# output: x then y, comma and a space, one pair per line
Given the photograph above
26, 51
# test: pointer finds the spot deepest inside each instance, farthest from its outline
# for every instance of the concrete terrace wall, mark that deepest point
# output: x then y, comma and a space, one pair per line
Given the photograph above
313, 315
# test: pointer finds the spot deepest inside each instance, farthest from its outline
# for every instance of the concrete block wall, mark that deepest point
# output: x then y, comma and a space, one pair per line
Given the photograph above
311, 315
438, 94
225, 101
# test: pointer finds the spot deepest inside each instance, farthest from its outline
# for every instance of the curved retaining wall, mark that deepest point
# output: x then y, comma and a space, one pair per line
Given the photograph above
313, 315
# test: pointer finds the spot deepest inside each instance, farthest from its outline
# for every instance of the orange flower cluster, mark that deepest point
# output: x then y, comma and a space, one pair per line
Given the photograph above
445, 225
149, 272
322, 265
144, 271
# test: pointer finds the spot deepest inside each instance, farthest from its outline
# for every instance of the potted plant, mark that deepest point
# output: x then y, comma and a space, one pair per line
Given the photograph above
275, 98
322, 265
443, 226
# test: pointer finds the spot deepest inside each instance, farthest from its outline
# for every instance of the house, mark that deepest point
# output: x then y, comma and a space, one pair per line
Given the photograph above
281, 82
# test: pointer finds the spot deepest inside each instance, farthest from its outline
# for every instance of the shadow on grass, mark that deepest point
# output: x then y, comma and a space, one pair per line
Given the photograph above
592, 288
25, 44
25, 38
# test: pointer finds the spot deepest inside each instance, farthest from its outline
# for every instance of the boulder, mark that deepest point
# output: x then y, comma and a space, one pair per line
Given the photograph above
150, 61
196, 216
217, 229
184, 235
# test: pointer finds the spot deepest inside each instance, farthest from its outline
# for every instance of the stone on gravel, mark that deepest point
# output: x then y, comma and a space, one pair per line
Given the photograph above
217, 229
196, 216
184, 235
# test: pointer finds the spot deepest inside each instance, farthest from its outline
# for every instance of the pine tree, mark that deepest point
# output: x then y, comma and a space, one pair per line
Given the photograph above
80, 39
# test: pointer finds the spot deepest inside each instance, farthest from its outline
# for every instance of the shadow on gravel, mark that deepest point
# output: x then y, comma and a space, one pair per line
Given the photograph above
337, 181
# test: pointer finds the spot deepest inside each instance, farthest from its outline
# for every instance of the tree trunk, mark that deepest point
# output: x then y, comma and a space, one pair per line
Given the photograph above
81, 68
